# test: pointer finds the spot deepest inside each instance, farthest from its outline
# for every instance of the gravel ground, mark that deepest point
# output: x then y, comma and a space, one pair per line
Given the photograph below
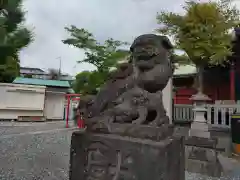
40, 156
40, 152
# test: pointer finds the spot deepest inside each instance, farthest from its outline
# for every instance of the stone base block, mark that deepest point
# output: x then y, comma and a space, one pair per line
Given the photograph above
199, 126
199, 129
198, 133
108, 157
201, 156
208, 169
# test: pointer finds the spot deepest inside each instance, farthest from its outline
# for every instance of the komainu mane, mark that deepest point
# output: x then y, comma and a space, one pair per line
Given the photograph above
133, 94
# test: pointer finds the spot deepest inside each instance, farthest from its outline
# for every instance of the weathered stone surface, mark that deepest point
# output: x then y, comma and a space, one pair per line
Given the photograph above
128, 135
198, 128
133, 94
202, 157
201, 142
110, 157
201, 154
132, 130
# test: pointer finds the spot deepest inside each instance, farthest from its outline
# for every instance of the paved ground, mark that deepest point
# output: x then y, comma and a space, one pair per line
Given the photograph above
40, 151
34, 152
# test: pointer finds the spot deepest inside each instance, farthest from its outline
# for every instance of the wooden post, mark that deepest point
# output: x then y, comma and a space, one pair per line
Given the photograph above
232, 81
68, 107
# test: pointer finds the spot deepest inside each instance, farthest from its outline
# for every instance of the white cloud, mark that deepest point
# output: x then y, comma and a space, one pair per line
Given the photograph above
119, 19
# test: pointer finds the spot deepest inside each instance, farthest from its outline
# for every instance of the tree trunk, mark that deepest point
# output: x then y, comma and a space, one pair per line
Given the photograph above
200, 80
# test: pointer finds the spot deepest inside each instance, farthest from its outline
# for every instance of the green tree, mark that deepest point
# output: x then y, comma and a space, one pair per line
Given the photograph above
177, 60
88, 82
102, 55
13, 37
80, 81
180, 59
28, 76
10, 70
202, 32
54, 74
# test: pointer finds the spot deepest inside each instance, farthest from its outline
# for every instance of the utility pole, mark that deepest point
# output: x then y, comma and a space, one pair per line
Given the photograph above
60, 65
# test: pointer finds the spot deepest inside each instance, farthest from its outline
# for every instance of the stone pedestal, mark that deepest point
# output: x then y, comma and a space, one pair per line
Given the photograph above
109, 156
199, 126
202, 156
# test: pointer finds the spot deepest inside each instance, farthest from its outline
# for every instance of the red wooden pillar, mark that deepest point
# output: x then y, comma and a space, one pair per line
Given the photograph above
232, 82
80, 122
68, 108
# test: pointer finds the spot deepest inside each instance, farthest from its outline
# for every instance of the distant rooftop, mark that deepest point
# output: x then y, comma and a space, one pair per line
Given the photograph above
29, 68
41, 82
185, 70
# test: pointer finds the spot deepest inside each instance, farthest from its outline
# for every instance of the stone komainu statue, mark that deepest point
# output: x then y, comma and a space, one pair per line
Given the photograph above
133, 94
128, 134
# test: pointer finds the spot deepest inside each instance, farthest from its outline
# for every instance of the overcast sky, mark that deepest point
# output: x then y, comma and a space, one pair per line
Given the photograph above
119, 19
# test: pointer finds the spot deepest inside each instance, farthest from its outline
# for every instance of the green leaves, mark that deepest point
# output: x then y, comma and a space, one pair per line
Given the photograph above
13, 37
170, 23
20, 38
202, 32
54, 74
88, 82
180, 59
11, 10
103, 56
9, 70
80, 38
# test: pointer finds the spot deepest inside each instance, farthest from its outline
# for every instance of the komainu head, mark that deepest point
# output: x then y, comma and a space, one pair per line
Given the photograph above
147, 46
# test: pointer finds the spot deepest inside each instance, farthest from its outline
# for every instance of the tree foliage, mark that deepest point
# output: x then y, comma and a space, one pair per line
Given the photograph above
13, 37
80, 81
54, 74
9, 70
202, 31
88, 82
102, 55
28, 76
180, 59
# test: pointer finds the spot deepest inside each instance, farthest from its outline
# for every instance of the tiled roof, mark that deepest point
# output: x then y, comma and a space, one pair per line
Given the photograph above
41, 82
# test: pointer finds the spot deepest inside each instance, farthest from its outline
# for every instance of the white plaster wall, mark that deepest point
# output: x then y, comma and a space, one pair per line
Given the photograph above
21, 100
167, 99
54, 105
7, 114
